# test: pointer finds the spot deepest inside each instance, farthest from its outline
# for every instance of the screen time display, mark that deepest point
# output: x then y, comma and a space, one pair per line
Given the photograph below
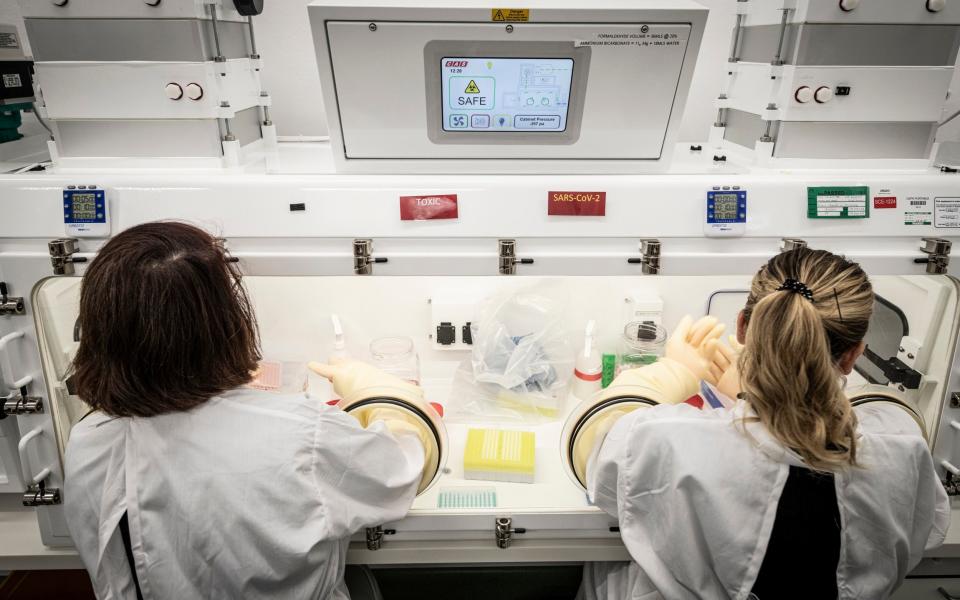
505, 94
725, 207
84, 207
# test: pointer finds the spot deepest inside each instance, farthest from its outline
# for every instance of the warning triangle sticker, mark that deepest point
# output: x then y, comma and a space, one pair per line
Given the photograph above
498, 16
472, 88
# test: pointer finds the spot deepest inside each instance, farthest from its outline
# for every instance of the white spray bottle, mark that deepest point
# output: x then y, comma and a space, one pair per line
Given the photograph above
588, 371
339, 350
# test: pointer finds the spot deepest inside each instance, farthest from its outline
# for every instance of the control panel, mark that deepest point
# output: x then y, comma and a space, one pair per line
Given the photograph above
726, 212
85, 211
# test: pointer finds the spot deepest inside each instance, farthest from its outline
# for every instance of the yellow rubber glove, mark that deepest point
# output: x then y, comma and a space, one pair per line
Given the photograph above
694, 345
725, 368
591, 436
399, 422
356, 380
666, 381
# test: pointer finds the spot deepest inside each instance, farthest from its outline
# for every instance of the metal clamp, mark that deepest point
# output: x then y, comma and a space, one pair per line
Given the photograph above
951, 483
10, 305
649, 257
19, 403
375, 536
938, 255
41, 495
790, 244
37, 493
507, 250
224, 244
505, 531
363, 259
61, 255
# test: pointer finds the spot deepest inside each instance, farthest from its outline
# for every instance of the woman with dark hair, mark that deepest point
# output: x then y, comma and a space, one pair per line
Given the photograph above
182, 483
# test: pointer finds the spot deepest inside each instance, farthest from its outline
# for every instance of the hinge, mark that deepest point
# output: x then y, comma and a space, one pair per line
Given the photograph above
10, 305
938, 255
375, 536
61, 255
40, 495
789, 244
505, 531
649, 257
363, 259
507, 250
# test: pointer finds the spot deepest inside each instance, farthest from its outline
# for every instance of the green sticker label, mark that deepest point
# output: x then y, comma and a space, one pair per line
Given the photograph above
838, 202
917, 218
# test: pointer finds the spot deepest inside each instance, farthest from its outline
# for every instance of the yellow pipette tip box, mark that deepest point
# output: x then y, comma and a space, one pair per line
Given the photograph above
500, 455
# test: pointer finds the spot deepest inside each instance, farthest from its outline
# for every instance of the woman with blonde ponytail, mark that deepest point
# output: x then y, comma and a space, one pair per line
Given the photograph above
785, 494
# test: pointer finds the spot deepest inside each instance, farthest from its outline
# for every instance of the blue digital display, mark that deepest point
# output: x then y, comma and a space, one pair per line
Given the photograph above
726, 207
84, 206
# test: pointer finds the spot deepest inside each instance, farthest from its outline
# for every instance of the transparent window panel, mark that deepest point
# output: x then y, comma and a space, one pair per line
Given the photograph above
294, 320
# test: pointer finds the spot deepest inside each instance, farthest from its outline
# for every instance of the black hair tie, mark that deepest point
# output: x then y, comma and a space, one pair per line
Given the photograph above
792, 285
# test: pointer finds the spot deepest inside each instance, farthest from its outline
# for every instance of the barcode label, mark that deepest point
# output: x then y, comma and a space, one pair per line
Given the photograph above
12, 80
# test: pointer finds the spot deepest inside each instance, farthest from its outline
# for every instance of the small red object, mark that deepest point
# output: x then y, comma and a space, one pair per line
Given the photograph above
695, 401
428, 208
885, 202
437, 407
577, 204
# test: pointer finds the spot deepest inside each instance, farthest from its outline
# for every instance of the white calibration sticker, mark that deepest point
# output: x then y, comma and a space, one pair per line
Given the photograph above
12, 80
946, 213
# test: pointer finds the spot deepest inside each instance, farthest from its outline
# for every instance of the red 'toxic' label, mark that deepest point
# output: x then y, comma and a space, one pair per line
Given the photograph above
426, 208
885, 202
577, 204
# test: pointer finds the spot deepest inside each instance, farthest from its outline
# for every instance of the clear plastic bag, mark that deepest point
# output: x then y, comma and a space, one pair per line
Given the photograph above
521, 359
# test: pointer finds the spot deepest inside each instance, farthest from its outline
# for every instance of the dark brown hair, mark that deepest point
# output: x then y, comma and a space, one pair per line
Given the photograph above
165, 323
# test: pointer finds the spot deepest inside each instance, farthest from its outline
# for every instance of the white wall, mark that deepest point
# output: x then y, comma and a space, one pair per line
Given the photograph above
290, 72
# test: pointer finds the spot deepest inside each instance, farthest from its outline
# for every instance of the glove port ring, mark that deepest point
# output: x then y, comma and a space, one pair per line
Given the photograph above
439, 439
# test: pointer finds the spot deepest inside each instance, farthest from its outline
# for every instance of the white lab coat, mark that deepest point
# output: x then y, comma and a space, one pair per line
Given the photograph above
251, 495
696, 498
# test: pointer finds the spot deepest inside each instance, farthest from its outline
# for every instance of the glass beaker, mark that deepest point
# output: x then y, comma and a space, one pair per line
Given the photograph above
642, 344
397, 356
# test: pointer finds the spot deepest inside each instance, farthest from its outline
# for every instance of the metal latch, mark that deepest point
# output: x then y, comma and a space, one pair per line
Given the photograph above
41, 495
61, 255
790, 244
938, 255
19, 403
508, 257
375, 536
10, 305
363, 259
505, 532
649, 257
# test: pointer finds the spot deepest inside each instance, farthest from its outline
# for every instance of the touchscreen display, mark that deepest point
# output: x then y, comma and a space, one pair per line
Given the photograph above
505, 94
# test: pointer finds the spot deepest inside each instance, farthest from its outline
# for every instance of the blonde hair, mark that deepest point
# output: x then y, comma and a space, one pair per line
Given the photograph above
805, 310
